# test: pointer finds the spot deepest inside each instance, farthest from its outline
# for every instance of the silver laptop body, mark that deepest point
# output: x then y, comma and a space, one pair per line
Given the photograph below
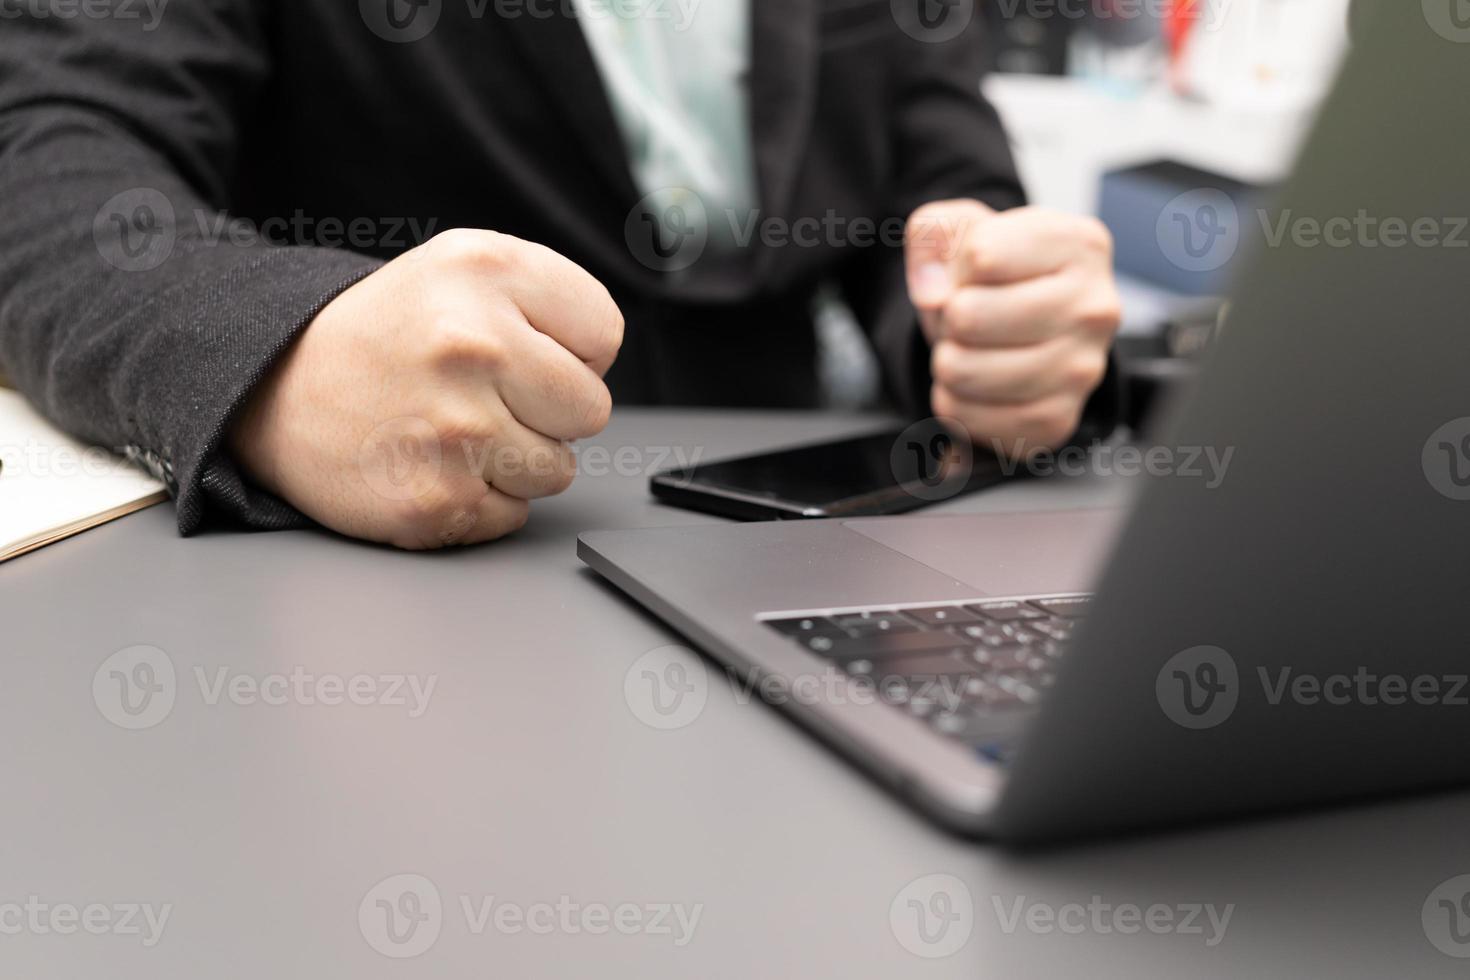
1294, 635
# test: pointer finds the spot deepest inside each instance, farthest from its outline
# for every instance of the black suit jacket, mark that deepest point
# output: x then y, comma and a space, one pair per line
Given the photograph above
134, 314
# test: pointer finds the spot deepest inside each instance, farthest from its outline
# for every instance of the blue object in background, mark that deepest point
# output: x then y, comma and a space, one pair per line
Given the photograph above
1180, 227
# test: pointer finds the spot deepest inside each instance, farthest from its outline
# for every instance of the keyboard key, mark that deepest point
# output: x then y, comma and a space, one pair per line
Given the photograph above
796, 627
993, 697
1073, 607
952, 722
822, 641
894, 690
972, 725
1001, 658
878, 626
997, 634
865, 624
927, 667
1054, 629
1018, 687
942, 615
923, 705
1005, 610
882, 645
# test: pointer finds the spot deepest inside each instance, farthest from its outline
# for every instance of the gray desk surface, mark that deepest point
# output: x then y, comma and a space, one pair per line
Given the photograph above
529, 778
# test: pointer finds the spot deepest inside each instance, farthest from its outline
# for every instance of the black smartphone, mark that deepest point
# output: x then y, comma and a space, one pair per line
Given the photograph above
886, 472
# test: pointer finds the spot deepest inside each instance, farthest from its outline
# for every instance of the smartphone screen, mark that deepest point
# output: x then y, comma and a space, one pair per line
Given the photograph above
881, 473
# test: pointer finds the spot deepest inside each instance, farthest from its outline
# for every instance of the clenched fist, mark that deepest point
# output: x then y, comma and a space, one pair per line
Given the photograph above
1020, 310
427, 404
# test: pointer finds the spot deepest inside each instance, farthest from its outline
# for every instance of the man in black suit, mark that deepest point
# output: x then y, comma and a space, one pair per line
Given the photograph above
218, 247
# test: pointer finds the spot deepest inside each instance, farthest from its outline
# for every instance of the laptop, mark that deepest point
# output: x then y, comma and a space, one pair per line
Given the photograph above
1292, 635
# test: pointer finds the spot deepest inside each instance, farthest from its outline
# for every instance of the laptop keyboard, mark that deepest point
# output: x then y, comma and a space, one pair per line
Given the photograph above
971, 671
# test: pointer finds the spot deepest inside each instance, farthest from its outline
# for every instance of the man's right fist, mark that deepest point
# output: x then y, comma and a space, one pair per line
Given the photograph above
429, 402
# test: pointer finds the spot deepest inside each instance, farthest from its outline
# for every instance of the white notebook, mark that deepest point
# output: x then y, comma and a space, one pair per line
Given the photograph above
52, 486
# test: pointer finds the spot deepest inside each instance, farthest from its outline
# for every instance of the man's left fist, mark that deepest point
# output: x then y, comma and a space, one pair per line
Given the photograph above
1020, 309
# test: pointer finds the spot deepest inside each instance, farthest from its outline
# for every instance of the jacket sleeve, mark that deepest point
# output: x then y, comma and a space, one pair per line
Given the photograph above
132, 312
948, 142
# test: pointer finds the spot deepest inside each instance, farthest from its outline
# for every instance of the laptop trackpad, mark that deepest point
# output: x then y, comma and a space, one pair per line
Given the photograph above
1004, 554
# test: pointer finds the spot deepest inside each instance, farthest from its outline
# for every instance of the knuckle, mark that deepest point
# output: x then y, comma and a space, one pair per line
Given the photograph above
457, 245
1101, 312
420, 517
461, 428
1095, 236
560, 475
944, 403
606, 334
507, 516
520, 513
945, 364
1051, 426
923, 218
443, 516
457, 526
615, 326
473, 249
453, 343
543, 469
963, 315
940, 223
1084, 371
980, 258
595, 409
